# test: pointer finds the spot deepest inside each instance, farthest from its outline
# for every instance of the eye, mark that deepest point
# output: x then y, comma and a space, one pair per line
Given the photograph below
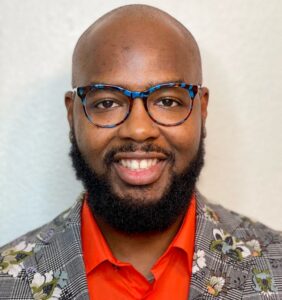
106, 104
168, 102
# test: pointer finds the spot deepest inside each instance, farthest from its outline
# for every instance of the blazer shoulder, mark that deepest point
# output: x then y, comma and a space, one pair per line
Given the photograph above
17, 256
13, 280
30, 237
247, 225
14, 253
242, 228
234, 220
242, 255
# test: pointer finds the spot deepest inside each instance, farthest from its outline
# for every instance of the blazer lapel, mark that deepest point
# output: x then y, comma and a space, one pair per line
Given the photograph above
57, 269
221, 262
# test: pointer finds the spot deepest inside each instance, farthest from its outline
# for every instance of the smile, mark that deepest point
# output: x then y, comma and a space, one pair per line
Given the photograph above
141, 164
140, 168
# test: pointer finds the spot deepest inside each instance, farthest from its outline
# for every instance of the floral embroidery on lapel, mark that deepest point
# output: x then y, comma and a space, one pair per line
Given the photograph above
49, 285
215, 285
12, 258
199, 261
210, 214
229, 245
263, 282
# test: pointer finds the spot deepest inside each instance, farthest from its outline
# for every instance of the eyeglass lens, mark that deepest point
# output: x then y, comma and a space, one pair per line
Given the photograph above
110, 106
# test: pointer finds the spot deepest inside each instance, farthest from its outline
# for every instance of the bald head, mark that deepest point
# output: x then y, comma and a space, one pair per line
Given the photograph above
138, 39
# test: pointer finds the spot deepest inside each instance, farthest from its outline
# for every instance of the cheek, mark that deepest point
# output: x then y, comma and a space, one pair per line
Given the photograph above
185, 139
92, 141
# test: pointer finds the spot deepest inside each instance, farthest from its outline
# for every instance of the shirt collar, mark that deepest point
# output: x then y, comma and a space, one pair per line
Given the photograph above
94, 246
185, 238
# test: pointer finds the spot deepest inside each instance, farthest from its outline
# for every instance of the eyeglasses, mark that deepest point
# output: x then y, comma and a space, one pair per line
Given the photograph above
167, 104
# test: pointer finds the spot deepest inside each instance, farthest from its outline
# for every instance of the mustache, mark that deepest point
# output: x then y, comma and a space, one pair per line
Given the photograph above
132, 147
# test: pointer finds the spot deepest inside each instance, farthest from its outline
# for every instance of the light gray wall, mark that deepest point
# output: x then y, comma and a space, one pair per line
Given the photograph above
241, 44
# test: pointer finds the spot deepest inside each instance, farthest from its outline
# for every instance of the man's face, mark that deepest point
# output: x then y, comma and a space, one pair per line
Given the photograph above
127, 62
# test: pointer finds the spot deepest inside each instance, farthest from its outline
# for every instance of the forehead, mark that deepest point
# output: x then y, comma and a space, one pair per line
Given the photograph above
132, 55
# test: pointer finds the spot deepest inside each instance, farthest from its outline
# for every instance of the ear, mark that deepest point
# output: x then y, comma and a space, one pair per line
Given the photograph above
204, 96
69, 101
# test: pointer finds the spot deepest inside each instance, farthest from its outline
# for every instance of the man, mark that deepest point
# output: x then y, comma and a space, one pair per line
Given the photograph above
141, 230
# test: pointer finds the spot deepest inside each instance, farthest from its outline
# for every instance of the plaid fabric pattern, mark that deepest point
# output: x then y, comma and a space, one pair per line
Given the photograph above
234, 258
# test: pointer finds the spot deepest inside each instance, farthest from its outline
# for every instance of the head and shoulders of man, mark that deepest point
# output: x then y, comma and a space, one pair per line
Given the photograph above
136, 47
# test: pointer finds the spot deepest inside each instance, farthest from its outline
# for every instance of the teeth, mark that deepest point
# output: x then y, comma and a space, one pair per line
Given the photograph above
144, 164
134, 164
123, 163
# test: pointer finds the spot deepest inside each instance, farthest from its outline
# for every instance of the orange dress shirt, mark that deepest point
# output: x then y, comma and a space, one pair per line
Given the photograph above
109, 278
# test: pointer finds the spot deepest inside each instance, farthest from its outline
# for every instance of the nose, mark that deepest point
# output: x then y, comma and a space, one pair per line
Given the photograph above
139, 127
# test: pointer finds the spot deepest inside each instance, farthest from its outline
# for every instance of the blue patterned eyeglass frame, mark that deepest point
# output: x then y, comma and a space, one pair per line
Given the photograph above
191, 89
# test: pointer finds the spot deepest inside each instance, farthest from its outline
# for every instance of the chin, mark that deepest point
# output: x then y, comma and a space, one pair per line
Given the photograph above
139, 194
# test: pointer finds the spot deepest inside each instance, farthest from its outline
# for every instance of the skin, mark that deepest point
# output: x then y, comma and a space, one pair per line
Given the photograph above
134, 47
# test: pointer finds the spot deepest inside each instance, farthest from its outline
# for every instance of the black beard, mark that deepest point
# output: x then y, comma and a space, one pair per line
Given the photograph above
136, 216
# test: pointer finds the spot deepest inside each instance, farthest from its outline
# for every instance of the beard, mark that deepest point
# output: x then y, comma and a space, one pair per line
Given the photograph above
128, 214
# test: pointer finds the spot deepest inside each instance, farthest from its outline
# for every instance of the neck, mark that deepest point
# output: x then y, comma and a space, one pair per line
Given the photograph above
140, 250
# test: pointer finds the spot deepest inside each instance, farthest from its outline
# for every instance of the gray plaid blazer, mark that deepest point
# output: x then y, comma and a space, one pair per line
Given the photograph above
234, 258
